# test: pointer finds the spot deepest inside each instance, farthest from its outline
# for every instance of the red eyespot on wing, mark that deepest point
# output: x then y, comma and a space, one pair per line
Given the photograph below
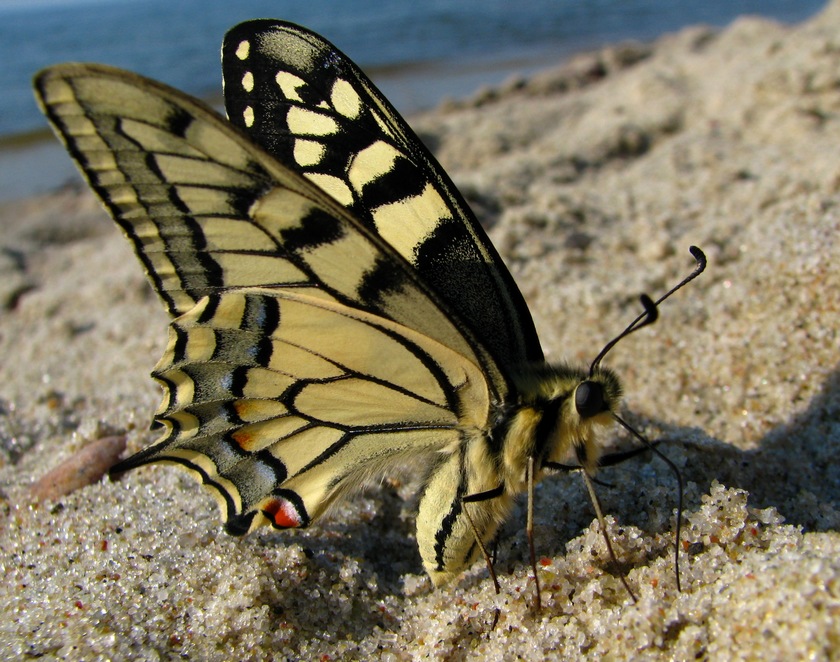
283, 513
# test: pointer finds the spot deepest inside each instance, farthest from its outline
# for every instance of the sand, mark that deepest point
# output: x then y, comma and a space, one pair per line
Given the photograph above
594, 178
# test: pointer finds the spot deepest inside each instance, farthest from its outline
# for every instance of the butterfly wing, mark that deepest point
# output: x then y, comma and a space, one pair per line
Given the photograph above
306, 355
312, 108
207, 211
283, 402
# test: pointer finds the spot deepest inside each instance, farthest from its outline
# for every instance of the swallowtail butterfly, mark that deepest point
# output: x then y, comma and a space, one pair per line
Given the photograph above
337, 308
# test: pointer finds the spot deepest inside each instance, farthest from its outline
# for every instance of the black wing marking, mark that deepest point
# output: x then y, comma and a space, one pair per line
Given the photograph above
308, 105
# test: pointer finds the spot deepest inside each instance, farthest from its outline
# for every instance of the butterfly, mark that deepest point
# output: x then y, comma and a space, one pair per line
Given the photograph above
337, 310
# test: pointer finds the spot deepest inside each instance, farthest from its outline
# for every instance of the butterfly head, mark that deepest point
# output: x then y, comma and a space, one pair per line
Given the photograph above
591, 399
596, 399
564, 410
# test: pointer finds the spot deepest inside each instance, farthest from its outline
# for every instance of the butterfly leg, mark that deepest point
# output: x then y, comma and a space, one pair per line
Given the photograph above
603, 526
529, 530
473, 498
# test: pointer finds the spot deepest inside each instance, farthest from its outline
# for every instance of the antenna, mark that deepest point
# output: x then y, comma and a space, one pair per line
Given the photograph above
651, 307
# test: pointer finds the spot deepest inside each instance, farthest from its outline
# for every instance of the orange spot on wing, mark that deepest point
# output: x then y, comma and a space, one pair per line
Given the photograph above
282, 514
242, 408
243, 438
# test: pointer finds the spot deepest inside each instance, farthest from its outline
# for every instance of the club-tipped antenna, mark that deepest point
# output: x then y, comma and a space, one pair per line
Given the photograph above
651, 313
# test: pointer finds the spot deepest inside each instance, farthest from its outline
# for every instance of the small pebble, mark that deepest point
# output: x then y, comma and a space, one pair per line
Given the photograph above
85, 467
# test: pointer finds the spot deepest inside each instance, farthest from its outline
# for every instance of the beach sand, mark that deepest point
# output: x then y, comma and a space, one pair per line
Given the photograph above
594, 178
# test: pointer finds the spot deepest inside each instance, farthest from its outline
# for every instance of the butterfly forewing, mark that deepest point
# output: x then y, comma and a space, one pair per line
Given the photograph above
306, 103
207, 211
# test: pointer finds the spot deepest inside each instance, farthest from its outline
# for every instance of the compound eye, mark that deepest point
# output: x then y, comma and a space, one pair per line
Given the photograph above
589, 399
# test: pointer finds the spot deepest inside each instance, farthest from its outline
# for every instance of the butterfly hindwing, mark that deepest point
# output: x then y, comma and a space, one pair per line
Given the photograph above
283, 402
307, 104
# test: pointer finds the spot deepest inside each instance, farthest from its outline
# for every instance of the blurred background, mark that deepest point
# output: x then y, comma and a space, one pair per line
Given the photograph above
418, 53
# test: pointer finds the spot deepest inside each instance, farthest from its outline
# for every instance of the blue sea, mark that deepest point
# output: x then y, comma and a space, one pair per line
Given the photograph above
418, 52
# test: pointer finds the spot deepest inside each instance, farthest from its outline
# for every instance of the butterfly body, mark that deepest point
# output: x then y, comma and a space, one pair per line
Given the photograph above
337, 310
490, 468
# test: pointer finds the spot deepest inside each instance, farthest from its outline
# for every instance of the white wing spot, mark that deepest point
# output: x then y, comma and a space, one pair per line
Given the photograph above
288, 84
248, 81
370, 163
345, 100
406, 223
309, 123
308, 152
243, 49
333, 186
248, 116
